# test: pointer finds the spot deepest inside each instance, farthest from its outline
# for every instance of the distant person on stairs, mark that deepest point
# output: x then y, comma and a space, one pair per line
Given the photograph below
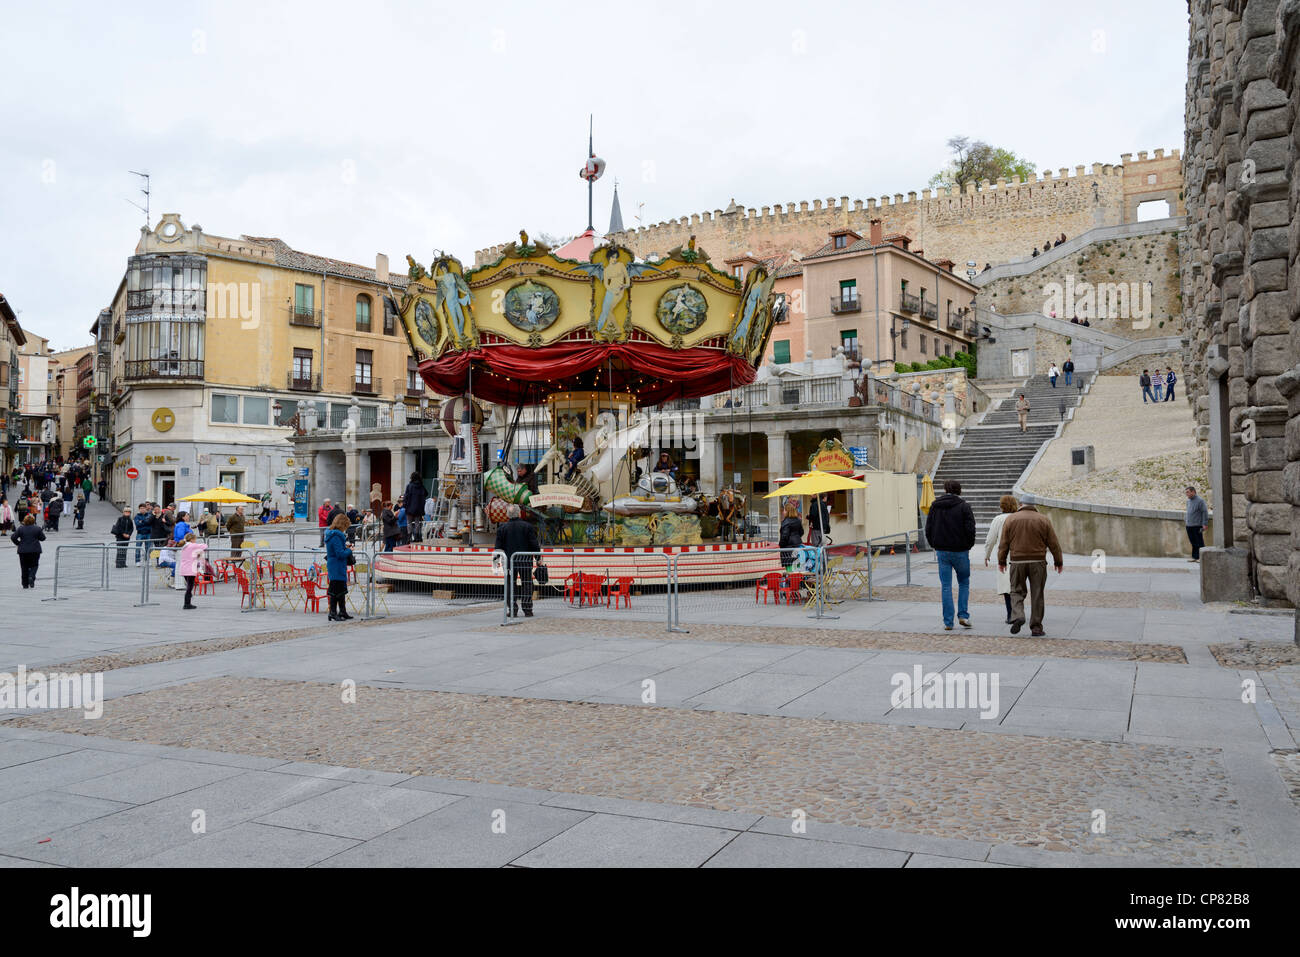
950, 530
1027, 537
1068, 369
1052, 374
1022, 412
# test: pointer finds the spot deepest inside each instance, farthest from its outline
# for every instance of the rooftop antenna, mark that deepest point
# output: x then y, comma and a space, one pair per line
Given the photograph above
144, 189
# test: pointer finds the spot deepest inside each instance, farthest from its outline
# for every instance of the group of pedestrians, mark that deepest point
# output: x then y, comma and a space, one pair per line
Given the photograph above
1157, 387
401, 520
1022, 538
1054, 373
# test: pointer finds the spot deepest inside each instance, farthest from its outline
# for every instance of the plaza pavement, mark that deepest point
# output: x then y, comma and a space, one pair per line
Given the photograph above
535, 745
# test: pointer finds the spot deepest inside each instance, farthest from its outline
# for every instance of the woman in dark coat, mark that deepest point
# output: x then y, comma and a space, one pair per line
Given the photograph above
28, 538
791, 534
388, 520
336, 567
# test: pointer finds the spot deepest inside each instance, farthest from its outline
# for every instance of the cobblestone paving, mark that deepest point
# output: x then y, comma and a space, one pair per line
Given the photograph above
1257, 655
885, 640
1173, 804
1288, 765
1060, 597
152, 654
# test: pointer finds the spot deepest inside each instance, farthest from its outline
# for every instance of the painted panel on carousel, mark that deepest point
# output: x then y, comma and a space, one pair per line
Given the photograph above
614, 267
531, 306
754, 318
682, 309
437, 309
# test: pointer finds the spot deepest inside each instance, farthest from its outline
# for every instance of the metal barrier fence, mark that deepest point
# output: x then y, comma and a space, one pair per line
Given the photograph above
724, 586
423, 578
594, 584
853, 567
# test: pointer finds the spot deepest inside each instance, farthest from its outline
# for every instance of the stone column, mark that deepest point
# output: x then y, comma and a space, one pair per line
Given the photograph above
307, 460
352, 490
710, 461
778, 466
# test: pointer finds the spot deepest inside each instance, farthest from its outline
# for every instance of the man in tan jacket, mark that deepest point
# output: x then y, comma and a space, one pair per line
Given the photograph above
1027, 537
235, 526
1022, 412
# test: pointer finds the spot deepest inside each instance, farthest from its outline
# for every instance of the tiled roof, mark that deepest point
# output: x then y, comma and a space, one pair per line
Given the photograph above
287, 256
790, 269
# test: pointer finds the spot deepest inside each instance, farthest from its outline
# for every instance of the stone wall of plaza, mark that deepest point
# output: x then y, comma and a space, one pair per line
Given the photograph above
1128, 273
1241, 284
994, 222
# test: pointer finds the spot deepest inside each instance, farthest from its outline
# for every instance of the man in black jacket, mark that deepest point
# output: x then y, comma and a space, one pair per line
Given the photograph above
518, 536
415, 496
121, 531
950, 529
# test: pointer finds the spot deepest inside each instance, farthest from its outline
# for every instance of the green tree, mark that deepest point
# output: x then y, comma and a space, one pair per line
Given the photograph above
973, 162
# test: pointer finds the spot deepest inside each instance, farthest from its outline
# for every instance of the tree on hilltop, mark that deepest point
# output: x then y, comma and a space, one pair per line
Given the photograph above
973, 162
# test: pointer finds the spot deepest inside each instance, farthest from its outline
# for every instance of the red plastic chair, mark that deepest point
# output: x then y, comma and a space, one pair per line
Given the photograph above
768, 584
572, 585
592, 587
312, 599
245, 590
621, 588
793, 588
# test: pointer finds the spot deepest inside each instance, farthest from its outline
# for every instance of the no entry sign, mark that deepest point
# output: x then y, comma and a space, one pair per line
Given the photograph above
133, 473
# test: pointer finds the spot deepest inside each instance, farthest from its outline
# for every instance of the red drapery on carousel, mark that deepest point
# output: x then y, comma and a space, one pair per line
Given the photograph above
654, 373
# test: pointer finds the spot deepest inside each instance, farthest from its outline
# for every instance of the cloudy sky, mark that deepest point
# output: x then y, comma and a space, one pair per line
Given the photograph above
352, 129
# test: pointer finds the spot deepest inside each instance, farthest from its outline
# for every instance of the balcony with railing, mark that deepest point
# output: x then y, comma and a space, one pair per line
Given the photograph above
842, 303
909, 303
163, 369
364, 385
308, 383
406, 387
930, 310
307, 318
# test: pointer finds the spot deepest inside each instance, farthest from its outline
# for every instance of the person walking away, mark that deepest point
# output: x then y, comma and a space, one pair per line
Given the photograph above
211, 526
103, 490
1144, 380
235, 526
354, 517
323, 518
1158, 386
1068, 369
791, 534
1027, 537
1008, 504
68, 498
516, 537
190, 564
6, 515
819, 520
1022, 412
950, 530
388, 523
337, 559
1052, 374
1197, 520
28, 538
414, 498
1170, 380
121, 531
53, 512
143, 523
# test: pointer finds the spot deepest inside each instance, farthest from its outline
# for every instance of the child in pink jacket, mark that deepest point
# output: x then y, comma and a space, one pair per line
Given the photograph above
190, 564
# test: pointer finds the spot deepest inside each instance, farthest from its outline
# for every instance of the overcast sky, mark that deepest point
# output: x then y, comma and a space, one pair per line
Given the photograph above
352, 129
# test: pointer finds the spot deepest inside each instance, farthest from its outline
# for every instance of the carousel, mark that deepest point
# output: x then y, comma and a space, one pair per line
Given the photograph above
595, 343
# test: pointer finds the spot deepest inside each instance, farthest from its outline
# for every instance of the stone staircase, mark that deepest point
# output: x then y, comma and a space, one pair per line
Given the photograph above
994, 453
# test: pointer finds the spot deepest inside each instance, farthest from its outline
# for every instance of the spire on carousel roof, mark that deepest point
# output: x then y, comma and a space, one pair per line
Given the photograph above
615, 214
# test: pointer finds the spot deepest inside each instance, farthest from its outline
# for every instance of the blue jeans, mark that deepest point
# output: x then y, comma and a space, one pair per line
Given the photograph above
1053, 381
1068, 377
1159, 389
1146, 391
960, 563
141, 547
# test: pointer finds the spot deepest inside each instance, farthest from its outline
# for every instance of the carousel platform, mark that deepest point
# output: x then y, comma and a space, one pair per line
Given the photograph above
721, 564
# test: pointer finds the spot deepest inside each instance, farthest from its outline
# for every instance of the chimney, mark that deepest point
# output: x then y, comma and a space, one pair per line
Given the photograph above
875, 232
381, 267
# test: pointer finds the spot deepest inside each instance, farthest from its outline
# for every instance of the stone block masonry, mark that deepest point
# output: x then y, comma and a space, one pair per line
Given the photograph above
991, 222
1240, 282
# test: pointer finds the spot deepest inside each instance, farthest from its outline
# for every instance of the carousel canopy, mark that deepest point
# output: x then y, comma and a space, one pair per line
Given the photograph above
533, 323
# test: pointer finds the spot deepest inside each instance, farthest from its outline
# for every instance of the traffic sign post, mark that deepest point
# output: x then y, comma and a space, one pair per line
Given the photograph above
133, 473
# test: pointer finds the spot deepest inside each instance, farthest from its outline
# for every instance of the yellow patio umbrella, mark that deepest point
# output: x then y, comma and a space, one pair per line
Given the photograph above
927, 494
221, 495
816, 482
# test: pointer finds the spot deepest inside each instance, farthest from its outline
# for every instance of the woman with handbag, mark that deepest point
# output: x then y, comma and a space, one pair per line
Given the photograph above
337, 559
